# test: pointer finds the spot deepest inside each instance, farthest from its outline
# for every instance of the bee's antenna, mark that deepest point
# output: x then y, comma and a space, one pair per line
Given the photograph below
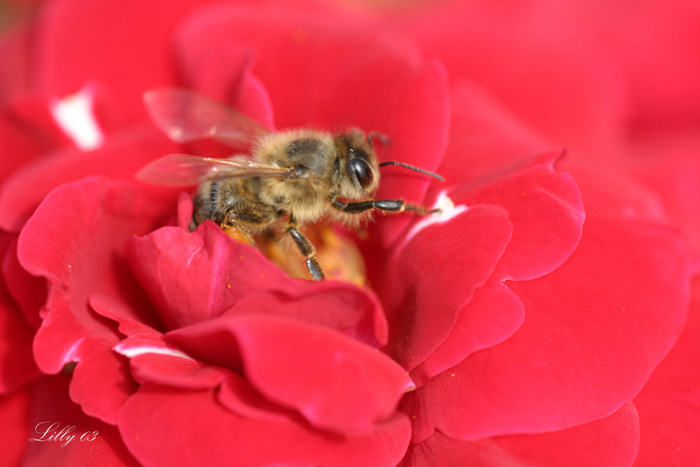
410, 167
374, 135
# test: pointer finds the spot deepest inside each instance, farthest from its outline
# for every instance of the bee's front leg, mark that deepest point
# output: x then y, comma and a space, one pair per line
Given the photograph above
307, 250
388, 205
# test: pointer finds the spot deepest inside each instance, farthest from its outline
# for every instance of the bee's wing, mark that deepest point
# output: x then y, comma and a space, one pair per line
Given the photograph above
183, 170
185, 116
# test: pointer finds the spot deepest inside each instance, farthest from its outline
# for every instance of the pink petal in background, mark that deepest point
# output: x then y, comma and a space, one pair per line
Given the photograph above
669, 404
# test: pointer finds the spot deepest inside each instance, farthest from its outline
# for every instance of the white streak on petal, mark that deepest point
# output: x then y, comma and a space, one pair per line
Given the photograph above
74, 114
131, 352
73, 354
448, 211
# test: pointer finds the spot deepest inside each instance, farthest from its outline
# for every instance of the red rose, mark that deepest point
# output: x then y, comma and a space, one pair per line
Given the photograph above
618, 85
528, 313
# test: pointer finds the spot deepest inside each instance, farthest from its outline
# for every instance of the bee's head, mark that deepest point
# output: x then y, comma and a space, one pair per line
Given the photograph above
357, 165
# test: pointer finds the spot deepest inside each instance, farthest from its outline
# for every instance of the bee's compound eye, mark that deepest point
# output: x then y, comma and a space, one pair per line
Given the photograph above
361, 171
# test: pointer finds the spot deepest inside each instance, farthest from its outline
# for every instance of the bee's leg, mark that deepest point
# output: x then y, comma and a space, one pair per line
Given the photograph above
238, 234
235, 225
388, 205
307, 249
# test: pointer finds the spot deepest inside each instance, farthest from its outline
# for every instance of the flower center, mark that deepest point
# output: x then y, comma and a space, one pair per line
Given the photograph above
336, 252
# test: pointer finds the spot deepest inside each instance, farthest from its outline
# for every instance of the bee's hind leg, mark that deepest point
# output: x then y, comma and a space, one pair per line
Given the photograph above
238, 224
307, 250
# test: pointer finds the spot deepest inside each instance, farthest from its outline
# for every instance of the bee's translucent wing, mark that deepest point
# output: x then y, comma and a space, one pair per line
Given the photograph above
185, 116
183, 170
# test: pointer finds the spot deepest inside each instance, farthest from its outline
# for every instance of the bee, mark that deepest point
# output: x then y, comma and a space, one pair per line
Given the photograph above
289, 179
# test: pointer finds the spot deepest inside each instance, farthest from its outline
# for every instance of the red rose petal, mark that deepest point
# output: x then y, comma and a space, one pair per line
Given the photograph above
669, 404
76, 240
633, 291
343, 307
128, 63
121, 157
16, 356
173, 370
154, 360
569, 88
614, 194
132, 322
94, 442
151, 358
490, 317
547, 213
192, 277
238, 396
611, 441
386, 90
202, 431
254, 101
486, 139
663, 36
222, 73
334, 381
633, 38
14, 67
24, 147
185, 208
543, 204
35, 114
46, 122
441, 451
28, 292
667, 162
98, 367
14, 411
16, 359
422, 305
545, 209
